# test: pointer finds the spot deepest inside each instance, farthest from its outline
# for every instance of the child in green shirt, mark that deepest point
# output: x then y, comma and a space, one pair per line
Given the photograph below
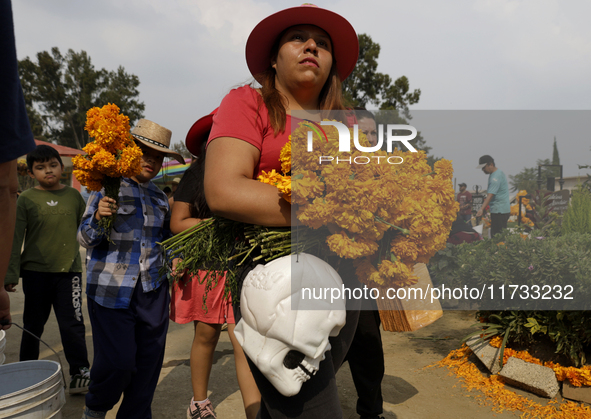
48, 216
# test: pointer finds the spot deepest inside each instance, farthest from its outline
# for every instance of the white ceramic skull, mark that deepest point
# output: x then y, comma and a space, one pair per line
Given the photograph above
285, 341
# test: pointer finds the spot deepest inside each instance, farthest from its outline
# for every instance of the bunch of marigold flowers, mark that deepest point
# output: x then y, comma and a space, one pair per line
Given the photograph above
515, 209
388, 211
111, 155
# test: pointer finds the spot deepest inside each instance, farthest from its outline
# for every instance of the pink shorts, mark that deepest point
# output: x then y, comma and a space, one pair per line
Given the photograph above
186, 302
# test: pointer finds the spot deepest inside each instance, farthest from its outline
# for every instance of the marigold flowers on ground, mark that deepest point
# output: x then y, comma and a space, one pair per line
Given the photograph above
495, 394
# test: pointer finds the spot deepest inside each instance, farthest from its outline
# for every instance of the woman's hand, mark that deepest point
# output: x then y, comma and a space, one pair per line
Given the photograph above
106, 207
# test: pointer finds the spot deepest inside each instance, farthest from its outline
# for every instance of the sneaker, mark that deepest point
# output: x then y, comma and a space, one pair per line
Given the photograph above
79, 382
202, 410
92, 414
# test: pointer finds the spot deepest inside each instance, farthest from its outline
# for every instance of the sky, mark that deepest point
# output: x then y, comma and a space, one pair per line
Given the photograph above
464, 55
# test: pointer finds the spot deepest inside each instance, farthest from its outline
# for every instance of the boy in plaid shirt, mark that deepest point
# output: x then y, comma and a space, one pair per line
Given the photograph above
127, 297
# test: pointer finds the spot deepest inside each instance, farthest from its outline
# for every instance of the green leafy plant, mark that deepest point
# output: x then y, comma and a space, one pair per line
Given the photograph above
511, 326
577, 218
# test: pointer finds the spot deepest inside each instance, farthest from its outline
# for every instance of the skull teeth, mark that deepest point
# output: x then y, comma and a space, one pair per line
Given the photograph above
305, 371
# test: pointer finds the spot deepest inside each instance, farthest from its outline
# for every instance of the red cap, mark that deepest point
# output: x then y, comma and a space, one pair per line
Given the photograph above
199, 133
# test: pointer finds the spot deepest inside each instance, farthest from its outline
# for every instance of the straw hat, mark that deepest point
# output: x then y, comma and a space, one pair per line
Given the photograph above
199, 133
345, 43
156, 137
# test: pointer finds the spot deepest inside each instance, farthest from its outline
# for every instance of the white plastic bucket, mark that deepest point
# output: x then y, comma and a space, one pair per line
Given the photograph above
2, 346
32, 390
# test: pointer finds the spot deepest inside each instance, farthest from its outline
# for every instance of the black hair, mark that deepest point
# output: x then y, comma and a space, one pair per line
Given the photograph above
199, 207
167, 190
362, 113
41, 154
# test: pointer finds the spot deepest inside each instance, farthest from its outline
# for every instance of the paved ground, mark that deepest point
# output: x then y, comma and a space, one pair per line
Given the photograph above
410, 392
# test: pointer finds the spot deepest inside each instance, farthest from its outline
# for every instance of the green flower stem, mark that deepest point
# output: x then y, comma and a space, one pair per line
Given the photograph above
402, 230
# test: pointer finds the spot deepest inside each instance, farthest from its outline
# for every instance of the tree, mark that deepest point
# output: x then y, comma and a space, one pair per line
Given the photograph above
181, 148
366, 85
59, 90
555, 159
527, 179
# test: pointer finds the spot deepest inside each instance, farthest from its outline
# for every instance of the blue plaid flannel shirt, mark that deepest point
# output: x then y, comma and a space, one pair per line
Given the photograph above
143, 218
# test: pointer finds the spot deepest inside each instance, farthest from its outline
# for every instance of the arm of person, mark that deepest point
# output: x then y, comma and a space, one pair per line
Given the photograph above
487, 200
13, 273
8, 189
230, 190
181, 219
90, 233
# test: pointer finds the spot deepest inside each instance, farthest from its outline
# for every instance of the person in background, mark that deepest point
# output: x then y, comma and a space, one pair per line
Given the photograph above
367, 124
48, 217
465, 199
167, 191
366, 354
85, 193
16, 139
127, 293
187, 294
497, 195
175, 185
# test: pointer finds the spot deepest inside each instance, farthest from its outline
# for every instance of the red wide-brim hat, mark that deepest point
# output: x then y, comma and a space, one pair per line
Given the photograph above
345, 43
199, 133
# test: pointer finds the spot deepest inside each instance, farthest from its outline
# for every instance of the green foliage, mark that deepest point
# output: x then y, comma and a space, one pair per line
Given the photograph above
546, 222
528, 177
366, 85
555, 157
569, 331
577, 217
60, 89
509, 259
509, 325
181, 148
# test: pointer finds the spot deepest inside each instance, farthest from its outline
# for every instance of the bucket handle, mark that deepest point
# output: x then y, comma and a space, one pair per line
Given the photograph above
6, 322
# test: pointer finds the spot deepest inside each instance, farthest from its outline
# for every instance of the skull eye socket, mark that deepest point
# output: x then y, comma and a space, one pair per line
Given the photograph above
293, 359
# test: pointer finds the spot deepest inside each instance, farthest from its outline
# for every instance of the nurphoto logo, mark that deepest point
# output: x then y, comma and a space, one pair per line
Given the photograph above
345, 138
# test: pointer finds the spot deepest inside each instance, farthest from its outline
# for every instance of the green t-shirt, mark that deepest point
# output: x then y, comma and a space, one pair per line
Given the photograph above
48, 222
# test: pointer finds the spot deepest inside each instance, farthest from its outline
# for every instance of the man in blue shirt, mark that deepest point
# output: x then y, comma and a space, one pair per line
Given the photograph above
497, 195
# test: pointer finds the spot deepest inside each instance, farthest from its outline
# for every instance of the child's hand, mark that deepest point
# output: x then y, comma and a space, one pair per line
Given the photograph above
175, 262
10, 287
106, 207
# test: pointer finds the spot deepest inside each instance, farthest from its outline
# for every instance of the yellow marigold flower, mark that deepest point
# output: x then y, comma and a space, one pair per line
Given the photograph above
285, 157
444, 169
350, 248
307, 185
367, 273
271, 178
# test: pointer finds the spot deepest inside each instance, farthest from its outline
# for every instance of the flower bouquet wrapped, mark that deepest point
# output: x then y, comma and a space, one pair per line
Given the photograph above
111, 155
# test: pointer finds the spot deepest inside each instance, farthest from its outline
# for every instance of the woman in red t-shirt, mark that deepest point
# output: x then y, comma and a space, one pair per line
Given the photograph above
300, 57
